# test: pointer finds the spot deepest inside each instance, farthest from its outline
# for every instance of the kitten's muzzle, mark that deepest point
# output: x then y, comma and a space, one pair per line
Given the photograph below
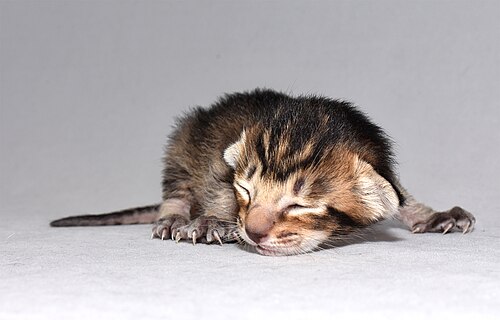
259, 222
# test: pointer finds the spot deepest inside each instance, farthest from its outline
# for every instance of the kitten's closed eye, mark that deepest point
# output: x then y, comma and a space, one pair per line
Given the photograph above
297, 209
244, 191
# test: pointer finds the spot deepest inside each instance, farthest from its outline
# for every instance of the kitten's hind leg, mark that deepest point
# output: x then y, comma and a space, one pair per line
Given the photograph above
174, 214
421, 218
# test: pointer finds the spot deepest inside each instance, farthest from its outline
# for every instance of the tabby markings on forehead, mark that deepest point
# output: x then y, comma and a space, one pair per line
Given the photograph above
297, 187
261, 153
251, 172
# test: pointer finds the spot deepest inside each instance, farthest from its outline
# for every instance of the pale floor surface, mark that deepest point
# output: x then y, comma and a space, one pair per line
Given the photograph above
119, 273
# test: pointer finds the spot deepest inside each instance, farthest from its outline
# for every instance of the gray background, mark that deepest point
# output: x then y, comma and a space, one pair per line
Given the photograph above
89, 91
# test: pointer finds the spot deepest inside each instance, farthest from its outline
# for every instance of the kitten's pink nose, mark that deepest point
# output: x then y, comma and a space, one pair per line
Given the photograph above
258, 223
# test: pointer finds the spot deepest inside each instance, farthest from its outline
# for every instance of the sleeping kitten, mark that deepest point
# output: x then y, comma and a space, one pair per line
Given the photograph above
283, 174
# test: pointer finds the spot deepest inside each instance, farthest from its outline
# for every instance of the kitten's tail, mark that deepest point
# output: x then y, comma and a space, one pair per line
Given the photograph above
147, 214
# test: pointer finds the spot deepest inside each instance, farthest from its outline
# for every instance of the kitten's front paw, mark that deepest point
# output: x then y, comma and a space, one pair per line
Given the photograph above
446, 221
207, 229
167, 227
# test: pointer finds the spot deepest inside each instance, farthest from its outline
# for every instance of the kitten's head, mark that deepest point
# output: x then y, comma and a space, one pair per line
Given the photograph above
296, 192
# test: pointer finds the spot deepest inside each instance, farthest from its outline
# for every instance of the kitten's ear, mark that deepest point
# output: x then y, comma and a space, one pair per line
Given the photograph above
376, 193
233, 152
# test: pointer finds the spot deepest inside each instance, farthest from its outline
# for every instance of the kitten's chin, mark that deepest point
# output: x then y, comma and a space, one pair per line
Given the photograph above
281, 251
271, 251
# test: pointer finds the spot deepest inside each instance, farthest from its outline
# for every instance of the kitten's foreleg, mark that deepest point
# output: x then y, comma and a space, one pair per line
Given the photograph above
217, 224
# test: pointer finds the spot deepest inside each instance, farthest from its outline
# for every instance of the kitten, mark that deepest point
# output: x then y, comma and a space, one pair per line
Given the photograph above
284, 174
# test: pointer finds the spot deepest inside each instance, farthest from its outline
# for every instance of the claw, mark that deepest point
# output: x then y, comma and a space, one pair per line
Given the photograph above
466, 228
177, 237
152, 235
448, 227
163, 234
193, 235
416, 230
217, 237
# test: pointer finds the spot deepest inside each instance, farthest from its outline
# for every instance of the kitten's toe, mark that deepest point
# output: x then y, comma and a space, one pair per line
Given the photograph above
214, 236
217, 231
167, 227
446, 221
177, 237
194, 230
205, 229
